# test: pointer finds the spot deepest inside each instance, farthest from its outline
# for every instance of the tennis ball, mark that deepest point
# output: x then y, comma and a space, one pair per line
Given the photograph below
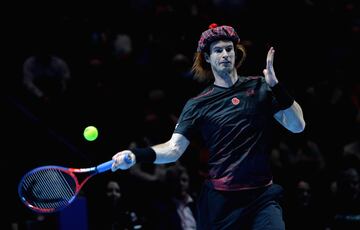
91, 133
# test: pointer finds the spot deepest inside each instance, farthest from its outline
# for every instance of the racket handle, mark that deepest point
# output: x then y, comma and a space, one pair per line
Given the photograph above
104, 166
107, 165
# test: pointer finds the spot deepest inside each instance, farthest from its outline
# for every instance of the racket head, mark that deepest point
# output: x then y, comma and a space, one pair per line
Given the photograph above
48, 189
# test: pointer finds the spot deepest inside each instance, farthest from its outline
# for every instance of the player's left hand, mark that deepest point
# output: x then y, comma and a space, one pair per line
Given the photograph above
269, 72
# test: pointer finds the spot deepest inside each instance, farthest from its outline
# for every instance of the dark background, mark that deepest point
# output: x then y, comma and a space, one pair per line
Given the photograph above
317, 54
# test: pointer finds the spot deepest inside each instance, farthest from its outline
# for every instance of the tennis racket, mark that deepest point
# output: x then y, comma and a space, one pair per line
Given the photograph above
49, 189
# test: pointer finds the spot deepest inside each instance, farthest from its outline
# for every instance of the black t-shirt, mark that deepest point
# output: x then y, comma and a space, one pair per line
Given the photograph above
235, 125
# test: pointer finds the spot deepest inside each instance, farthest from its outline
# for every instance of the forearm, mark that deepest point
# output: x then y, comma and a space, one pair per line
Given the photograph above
167, 152
285, 100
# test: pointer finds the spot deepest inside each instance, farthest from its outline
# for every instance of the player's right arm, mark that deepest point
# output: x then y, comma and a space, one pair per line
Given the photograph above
171, 150
167, 152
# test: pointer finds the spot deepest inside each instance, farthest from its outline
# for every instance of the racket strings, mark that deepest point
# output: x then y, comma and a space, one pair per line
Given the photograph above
48, 189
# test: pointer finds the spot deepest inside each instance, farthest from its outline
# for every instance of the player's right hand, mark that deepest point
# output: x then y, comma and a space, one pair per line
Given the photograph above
123, 160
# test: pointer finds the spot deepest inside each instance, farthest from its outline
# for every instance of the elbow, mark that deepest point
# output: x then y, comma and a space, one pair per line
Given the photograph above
172, 150
298, 127
176, 152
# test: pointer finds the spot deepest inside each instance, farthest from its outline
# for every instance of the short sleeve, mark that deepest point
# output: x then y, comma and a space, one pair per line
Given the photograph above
187, 121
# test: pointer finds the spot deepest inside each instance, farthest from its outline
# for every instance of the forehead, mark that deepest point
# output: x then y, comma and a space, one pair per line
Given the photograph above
113, 185
220, 44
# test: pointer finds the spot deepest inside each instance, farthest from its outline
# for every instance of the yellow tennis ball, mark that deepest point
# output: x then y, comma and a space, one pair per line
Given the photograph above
91, 133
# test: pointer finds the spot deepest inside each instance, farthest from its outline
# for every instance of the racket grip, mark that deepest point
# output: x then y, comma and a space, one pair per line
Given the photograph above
104, 166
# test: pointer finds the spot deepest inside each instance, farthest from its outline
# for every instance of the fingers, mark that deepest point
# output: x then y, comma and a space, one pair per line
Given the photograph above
266, 72
269, 72
116, 159
270, 58
122, 160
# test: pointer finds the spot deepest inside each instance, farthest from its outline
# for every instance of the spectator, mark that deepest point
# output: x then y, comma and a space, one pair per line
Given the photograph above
113, 211
46, 75
177, 210
345, 212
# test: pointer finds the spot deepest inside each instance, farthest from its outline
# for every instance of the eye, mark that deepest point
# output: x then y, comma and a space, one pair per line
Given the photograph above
228, 49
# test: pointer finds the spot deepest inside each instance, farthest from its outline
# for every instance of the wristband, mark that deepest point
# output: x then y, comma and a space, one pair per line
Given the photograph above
282, 96
144, 154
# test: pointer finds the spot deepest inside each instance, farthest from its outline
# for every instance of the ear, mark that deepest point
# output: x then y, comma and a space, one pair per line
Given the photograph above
207, 57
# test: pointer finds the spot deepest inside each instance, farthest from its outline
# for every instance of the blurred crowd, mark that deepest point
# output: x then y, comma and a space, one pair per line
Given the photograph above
126, 70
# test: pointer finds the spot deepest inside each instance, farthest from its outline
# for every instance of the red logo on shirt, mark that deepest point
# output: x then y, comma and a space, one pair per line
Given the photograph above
235, 101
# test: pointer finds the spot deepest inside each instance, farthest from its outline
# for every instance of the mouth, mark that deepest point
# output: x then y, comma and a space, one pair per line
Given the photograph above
225, 63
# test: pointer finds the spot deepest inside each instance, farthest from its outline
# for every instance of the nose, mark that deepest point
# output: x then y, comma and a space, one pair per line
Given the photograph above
225, 53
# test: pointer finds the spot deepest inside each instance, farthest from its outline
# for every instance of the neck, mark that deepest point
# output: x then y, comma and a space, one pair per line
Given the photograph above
226, 79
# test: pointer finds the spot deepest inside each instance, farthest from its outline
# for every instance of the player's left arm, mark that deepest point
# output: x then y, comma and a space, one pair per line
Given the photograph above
292, 116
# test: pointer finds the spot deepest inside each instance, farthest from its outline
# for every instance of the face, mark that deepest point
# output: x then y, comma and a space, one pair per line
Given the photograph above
181, 185
222, 56
303, 193
113, 190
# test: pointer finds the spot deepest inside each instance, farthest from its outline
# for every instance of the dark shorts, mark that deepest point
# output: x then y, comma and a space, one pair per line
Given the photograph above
250, 209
